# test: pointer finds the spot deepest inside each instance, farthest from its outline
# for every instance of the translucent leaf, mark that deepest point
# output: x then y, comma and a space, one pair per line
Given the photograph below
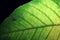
36, 20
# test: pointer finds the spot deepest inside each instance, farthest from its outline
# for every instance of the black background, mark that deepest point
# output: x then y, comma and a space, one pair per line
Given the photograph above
8, 6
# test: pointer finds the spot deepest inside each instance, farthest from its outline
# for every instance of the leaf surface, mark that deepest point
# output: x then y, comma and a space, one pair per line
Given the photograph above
36, 20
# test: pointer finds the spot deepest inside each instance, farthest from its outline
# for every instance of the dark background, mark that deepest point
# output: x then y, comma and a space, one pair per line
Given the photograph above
8, 6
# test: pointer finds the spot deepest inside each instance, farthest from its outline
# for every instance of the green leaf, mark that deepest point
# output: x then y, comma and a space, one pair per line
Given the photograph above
36, 20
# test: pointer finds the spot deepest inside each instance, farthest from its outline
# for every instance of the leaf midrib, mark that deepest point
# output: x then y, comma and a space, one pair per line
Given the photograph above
32, 28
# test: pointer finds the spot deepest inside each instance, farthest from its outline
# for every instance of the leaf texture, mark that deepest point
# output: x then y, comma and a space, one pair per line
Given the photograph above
36, 20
